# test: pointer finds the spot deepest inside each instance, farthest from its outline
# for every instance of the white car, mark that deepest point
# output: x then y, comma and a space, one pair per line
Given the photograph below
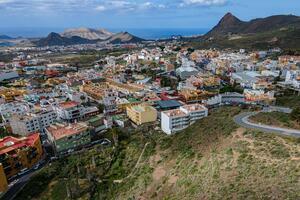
14, 182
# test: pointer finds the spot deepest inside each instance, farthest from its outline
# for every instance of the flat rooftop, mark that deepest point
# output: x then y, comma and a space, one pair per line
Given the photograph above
169, 104
175, 113
10, 143
194, 107
142, 108
59, 131
68, 104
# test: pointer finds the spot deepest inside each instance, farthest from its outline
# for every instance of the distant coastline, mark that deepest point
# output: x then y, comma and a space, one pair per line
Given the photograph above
145, 33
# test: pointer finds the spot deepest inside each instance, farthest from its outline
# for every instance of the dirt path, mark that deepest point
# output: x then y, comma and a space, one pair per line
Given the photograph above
136, 165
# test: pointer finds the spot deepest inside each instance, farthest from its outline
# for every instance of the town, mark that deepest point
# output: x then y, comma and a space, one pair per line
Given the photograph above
50, 109
138, 100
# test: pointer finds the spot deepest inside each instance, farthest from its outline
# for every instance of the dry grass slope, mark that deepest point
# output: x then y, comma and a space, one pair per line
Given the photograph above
213, 159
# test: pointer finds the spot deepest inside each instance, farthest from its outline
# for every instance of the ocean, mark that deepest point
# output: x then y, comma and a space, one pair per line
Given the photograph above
145, 33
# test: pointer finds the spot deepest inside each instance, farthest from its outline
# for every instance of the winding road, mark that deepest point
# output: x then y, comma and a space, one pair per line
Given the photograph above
243, 120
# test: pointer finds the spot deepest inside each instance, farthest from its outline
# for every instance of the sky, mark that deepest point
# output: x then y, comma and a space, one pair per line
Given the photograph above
135, 13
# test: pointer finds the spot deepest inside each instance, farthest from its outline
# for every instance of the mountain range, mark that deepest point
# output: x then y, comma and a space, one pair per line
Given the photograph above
5, 37
55, 39
263, 33
275, 31
88, 33
230, 24
86, 36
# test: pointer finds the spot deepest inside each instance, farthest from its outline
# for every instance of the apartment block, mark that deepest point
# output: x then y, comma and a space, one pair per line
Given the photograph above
94, 90
70, 111
141, 114
176, 120
32, 122
109, 101
66, 137
19, 153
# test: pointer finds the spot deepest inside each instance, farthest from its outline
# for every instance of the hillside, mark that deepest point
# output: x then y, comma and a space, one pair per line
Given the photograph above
5, 37
87, 33
230, 24
124, 37
259, 34
288, 39
213, 159
55, 39
74, 37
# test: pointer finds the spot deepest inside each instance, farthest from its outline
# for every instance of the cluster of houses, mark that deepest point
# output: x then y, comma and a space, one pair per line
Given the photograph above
167, 88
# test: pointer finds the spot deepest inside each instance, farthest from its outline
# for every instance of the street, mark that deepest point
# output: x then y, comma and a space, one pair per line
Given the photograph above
243, 120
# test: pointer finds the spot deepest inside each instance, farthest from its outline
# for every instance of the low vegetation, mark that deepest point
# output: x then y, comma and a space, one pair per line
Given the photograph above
286, 39
213, 159
291, 101
276, 119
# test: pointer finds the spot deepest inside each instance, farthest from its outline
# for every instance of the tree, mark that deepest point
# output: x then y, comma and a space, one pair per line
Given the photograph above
161, 47
190, 50
82, 98
101, 108
295, 115
168, 81
3, 132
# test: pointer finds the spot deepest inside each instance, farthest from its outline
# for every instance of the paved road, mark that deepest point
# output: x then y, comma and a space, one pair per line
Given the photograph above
243, 120
22, 180
14, 189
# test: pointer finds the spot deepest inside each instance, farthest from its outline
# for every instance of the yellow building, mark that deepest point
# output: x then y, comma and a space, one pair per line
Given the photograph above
9, 94
141, 114
19, 153
125, 88
192, 96
54, 81
122, 104
3, 180
94, 90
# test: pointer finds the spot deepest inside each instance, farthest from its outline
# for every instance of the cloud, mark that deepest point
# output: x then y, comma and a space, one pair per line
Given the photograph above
57, 6
123, 6
45, 5
5, 1
151, 5
203, 2
81, 5
100, 8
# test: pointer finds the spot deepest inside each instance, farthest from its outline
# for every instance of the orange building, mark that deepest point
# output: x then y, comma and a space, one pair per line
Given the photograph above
19, 153
193, 96
286, 59
94, 90
9, 94
3, 180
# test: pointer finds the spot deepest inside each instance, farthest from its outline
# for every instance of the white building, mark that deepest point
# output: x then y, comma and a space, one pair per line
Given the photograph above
187, 69
246, 78
110, 101
78, 97
18, 108
32, 122
69, 111
176, 120
292, 77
